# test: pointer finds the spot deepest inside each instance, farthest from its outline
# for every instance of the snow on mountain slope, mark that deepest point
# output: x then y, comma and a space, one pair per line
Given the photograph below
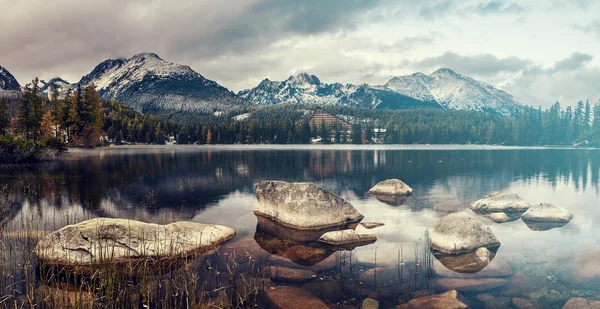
455, 91
8, 81
148, 83
56, 83
308, 89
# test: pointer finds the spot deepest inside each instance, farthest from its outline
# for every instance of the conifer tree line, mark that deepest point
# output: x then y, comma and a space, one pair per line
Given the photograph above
78, 118
528, 127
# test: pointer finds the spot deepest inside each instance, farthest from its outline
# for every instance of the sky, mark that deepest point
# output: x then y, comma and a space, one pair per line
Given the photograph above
539, 51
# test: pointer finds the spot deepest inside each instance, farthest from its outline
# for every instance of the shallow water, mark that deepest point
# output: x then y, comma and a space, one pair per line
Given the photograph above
214, 185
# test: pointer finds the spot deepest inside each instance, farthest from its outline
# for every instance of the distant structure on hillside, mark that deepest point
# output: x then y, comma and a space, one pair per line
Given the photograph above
331, 121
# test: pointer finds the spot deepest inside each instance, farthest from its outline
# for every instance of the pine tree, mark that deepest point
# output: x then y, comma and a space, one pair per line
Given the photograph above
56, 111
31, 111
4, 119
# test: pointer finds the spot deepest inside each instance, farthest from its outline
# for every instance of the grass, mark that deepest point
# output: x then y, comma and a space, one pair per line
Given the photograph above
219, 279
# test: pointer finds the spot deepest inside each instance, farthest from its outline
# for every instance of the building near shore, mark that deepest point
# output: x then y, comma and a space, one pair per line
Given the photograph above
321, 117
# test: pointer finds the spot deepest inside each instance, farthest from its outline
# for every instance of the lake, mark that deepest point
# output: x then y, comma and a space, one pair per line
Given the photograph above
214, 184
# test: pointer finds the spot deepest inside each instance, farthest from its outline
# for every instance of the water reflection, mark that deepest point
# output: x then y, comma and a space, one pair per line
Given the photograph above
163, 185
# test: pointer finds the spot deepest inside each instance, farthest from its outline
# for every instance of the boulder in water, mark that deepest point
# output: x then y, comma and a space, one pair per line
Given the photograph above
501, 202
120, 240
460, 233
391, 187
549, 213
347, 239
303, 205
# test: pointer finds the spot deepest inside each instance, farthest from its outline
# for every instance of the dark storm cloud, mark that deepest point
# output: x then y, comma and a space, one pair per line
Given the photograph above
480, 65
66, 36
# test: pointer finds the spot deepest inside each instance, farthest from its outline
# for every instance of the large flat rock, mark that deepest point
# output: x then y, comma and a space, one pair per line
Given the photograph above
303, 205
120, 240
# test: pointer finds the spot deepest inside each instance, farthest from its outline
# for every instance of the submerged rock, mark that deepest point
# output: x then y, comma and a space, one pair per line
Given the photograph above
348, 239
392, 200
120, 240
581, 303
461, 232
303, 205
448, 300
284, 274
471, 265
391, 187
501, 202
549, 213
288, 297
468, 285
369, 303
371, 225
580, 270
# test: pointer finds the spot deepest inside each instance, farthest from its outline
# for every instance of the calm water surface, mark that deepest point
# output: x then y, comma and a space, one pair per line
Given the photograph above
214, 185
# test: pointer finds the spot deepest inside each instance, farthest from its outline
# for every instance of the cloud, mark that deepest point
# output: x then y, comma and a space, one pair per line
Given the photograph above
69, 37
497, 7
575, 61
437, 9
570, 80
479, 65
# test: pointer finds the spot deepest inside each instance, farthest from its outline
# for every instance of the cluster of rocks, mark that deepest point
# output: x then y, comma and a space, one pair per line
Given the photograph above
505, 207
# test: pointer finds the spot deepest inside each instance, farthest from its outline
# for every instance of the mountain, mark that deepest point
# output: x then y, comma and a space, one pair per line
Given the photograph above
8, 81
455, 91
56, 83
308, 89
443, 89
147, 83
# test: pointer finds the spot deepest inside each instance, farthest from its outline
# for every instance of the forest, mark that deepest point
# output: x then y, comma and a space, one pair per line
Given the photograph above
279, 124
80, 118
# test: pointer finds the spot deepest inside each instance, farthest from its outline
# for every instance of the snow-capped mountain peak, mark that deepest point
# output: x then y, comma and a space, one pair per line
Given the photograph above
147, 82
303, 80
8, 81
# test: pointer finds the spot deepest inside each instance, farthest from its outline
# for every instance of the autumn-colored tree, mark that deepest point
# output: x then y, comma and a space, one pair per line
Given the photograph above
47, 129
209, 137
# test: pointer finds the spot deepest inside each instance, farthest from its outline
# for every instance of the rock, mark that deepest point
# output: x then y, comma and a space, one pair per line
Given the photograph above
581, 303
284, 274
500, 202
372, 225
522, 303
581, 270
461, 232
303, 205
470, 262
484, 297
288, 297
497, 303
392, 200
468, 285
547, 213
369, 303
120, 240
348, 239
324, 265
472, 267
391, 187
500, 217
448, 300
378, 276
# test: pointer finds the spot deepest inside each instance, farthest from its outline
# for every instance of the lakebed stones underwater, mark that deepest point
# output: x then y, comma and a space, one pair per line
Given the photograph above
102, 241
